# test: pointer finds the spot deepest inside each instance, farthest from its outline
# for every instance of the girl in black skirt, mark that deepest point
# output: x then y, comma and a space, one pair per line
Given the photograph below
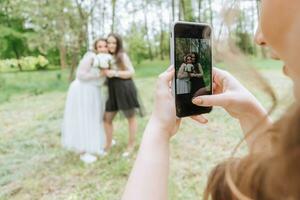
196, 78
122, 93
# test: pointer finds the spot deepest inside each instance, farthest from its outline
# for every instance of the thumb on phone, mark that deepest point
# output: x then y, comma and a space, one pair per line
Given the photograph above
210, 100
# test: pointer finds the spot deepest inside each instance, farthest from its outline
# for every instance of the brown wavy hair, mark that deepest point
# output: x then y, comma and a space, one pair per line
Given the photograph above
119, 54
270, 175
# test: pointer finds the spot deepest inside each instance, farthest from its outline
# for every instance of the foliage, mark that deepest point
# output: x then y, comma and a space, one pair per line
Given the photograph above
62, 30
245, 42
244, 39
13, 37
137, 44
27, 63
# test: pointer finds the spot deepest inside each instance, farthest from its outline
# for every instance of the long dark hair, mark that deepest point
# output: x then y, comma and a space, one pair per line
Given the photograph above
119, 54
196, 61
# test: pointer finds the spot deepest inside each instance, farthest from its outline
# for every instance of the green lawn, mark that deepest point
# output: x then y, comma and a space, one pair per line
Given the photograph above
34, 166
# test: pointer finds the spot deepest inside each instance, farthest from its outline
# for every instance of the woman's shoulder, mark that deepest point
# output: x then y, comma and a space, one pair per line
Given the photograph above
89, 54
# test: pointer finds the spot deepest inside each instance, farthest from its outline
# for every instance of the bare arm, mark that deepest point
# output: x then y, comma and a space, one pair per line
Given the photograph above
198, 74
124, 74
149, 177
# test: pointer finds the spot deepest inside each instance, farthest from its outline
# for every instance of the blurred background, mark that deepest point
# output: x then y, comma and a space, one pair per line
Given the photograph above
41, 43
54, 34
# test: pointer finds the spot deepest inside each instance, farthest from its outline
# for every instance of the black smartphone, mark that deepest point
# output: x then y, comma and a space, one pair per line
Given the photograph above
191, 55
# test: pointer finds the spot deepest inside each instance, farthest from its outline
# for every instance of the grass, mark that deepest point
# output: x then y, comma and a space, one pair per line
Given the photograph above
34, 166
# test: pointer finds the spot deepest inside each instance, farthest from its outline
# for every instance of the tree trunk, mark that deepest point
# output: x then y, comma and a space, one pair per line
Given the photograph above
253, 26
179, 10
63, 55
147, 31
161, 43
263, 50
210, 13
18, 58
183, 9
173, 10
103, 17
199, 10
92, 27
189, 12
74, 63
113, 4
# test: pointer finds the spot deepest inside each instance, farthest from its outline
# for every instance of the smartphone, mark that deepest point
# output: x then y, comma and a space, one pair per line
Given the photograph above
191, 55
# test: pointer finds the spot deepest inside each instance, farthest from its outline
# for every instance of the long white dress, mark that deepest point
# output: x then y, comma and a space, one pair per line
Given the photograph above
183, 83
82, 129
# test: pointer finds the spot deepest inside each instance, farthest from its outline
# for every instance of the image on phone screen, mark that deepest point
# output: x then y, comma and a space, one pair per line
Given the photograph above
193, 68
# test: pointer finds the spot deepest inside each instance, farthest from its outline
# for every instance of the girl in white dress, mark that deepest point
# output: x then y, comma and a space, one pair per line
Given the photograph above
83, 130
183, 79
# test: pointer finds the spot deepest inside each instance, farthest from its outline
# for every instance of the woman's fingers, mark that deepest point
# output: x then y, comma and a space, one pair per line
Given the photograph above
210, 100
200, 118
217, 71
166, 77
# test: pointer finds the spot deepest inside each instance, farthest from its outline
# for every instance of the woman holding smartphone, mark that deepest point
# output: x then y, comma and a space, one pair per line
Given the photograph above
271, 169
122, 92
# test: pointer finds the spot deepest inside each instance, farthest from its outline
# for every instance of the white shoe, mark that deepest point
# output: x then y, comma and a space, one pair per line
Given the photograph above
88, 158
102, 153
126, 154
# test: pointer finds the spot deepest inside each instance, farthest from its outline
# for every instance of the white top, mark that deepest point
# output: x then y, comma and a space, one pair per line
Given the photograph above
127, 63
88, 70
103, 60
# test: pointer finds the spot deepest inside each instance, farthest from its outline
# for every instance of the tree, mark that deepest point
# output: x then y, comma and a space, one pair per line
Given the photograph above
210, 12
199, 10
13, 34
136, 43
173, 9
113, 5
187, 10
146, 4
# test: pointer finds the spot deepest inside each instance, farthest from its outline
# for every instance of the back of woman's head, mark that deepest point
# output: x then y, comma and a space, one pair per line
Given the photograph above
271, 175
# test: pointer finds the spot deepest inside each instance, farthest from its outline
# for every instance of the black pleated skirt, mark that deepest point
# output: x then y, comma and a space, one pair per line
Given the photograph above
122, 96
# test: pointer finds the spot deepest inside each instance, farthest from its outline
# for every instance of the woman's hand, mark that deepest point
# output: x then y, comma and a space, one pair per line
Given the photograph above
164, 113
195, 75
230, 94
110, 73
103, 72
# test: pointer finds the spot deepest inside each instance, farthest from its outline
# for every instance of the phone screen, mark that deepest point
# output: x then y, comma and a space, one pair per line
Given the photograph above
193, 67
